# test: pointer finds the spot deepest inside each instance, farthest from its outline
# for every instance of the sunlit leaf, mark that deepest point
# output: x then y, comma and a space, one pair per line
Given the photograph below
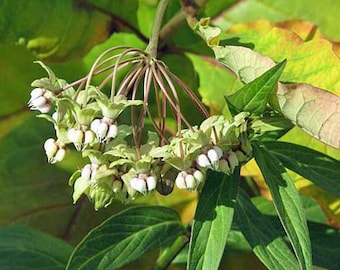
266, 241
253, 97
126, 236
278, 11
314, 110
287, 203
245, 63
323, 64
25, 248
314, 166
215, 82
212, 222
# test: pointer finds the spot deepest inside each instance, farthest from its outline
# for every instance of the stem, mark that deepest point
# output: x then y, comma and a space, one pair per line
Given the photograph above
152, 47
180, 18
167, 256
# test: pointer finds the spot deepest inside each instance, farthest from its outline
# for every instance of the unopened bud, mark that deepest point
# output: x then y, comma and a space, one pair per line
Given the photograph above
190, 182
113, 131
89, 137
50, 147
151, 182
60, 155
138, 184
203, 161
117, 186
233, 160
75, 135
180, 181
199, 177
223, 166
37, 92
86, 172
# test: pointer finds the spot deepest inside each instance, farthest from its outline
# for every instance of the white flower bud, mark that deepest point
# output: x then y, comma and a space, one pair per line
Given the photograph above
53, 151
190, 182
138, 184
75, 135
86, 172
151, 182
37, 92
213, 157
113, 131
45, 108
218, 151
203, 161
50, 147
40, 100
94, 125
102, 131
199, 177
60, 155
180, 181
89, 137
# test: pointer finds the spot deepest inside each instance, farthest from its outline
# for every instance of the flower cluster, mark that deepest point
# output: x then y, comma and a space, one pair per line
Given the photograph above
125, 161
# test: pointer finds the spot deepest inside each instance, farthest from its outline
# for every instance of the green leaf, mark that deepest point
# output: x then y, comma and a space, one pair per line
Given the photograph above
313, 109
325, 239
245, 63
215, 82
312, 208
266, 241
319, 168
287, 203
212, 222
253, 97
325, 244
126, 236
280, 11
214, 7
57, 29
25, 248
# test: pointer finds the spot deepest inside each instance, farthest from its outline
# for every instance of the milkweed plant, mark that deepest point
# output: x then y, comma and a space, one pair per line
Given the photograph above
132, 150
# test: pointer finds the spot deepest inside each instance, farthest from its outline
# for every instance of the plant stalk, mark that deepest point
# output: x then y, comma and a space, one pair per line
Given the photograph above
168, 255
152, 47
176, 21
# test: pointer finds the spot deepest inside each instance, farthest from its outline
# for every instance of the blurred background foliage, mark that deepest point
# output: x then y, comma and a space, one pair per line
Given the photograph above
68, 35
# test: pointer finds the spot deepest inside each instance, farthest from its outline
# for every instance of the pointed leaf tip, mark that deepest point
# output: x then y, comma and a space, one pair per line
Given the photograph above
254, 96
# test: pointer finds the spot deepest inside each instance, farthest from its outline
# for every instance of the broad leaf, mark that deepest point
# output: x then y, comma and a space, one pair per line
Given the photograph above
250, 64
65, 29
212, 222
318, 54
25, 248
321, 169
314, 110
215, 82
278, 11
325, 246
126, 236
245, 63
253, 97
325, 239
266, 241
287, 203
